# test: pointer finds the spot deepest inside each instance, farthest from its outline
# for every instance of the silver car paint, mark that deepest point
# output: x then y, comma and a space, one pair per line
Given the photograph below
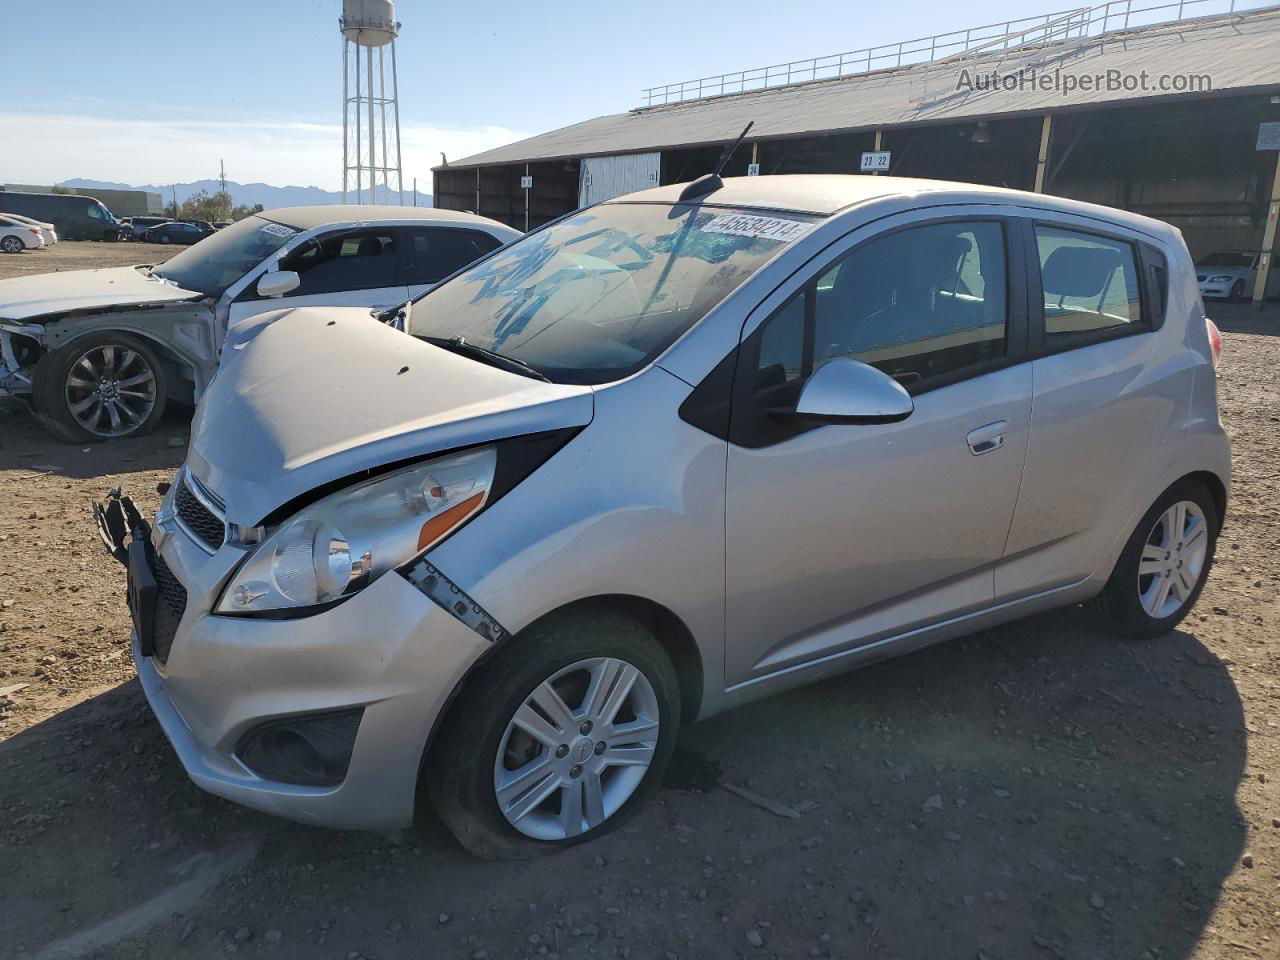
189, 325
637, 505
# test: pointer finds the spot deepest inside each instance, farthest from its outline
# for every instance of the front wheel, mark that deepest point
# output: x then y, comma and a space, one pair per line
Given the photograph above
100, 387
1237, 292
165, 238
1164, 566
559, 739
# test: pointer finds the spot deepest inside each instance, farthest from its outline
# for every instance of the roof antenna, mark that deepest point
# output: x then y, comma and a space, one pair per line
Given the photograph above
711, 182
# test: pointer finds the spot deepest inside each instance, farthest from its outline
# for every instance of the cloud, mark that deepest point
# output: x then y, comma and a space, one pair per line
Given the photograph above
47, 148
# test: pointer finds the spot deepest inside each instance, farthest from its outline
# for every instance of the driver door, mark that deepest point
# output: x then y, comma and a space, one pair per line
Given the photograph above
346, 268
839, 535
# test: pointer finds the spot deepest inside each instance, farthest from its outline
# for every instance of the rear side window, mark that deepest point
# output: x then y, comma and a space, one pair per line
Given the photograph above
1090, 285
352, 260
433, 253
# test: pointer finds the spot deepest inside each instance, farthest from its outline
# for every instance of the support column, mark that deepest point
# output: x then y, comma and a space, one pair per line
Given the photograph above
1042, 161
877, 148
1268, 241
526, 201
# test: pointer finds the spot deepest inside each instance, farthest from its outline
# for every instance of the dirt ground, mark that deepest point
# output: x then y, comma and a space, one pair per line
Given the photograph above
1038, 790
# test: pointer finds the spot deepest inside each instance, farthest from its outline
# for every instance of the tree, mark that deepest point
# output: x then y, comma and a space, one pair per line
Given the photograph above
245, 210
206, 206
61, 190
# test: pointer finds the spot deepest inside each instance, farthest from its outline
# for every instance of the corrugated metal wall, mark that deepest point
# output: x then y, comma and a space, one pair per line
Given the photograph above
604, 178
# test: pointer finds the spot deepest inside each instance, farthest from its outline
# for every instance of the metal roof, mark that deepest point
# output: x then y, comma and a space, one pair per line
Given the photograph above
1238, 53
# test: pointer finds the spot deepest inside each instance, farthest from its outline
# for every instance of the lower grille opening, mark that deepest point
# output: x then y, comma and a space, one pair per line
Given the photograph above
313, 750
171, 603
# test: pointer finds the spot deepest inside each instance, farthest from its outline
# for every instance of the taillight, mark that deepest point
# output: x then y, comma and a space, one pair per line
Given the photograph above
34, 230
1215, 340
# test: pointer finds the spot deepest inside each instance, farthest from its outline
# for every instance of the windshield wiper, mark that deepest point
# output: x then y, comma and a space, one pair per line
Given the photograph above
460, 346
397, 317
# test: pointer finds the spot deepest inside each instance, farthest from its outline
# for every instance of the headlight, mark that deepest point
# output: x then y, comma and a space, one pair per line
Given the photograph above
346, 541
1219, 279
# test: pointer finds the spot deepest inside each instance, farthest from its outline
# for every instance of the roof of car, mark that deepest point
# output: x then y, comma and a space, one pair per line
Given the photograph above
827, 193
308, 218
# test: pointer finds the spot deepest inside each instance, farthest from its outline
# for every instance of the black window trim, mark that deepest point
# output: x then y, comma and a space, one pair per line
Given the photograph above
406, 234
1151, 308
745, 355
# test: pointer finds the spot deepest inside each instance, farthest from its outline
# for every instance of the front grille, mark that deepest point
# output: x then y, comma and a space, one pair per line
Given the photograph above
171, 603
195, 514
1200, 277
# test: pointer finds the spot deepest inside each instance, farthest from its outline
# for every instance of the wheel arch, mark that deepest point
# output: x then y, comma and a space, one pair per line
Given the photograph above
171, 357
667, 628
1217, 490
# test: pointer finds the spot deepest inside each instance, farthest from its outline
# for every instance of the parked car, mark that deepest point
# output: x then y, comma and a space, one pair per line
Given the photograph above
101, 352
204, 225
656, 459
16, 237
176, 231
47, 230
136, 227
1232, 275
219, 224
76, 217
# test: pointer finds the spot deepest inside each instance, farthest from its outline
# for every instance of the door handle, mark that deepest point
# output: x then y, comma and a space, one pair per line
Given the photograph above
988, 438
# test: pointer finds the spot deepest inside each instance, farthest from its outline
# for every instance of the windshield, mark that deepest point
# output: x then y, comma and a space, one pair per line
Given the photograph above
222, 258
1227, 260
600, 294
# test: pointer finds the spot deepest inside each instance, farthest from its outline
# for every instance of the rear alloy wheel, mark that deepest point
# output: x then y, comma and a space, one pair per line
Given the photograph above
101, 387
12, 245
1163, 567
557, 738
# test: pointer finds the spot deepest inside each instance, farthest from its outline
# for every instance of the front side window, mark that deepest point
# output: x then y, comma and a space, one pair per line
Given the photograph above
348, 260
1090, 283
433, 253
95, 212
926, 305
597, 296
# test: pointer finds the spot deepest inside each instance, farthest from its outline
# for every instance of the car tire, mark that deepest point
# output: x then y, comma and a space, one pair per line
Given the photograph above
1237, 292
481, 739
12, 244
1127, 605
54, 391
165, 238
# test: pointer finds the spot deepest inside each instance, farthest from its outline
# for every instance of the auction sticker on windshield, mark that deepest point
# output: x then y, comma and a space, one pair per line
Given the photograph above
278, 230
765, 228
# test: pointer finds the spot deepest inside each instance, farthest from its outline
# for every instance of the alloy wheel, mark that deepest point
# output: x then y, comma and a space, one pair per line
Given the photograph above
576, 749
1173, 559
11, 245
111, 390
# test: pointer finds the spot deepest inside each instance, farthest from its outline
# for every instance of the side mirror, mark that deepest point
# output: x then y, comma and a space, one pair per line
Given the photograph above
278, 284
848, 391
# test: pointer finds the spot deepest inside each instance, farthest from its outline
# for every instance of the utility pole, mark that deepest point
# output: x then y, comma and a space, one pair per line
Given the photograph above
225, 201
415, 191
174, 188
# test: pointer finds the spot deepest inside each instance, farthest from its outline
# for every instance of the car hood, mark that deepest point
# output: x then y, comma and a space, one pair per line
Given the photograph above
315, 395
1235, 272
45, 294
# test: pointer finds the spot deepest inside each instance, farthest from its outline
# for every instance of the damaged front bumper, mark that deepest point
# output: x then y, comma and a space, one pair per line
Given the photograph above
17, 358
367, 680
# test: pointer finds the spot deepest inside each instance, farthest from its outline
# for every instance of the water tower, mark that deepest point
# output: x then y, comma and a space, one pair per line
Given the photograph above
369, 27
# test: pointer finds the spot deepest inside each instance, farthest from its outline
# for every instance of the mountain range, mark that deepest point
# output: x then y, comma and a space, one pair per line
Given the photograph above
243, 193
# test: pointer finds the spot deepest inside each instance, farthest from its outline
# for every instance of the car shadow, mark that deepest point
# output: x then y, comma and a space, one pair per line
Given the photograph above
1037, 789
26, 445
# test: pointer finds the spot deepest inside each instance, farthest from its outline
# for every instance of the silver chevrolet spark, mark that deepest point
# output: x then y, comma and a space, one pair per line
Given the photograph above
665, 455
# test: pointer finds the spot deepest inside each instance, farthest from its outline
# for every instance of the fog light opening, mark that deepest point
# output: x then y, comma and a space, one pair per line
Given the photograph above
310, 750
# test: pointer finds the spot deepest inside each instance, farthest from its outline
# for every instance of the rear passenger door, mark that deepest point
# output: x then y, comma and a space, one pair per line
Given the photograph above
843, 534
1110, 402
431, 253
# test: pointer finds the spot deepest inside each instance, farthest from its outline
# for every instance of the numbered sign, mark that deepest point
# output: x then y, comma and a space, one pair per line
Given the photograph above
753, 169
526, 183
875, 161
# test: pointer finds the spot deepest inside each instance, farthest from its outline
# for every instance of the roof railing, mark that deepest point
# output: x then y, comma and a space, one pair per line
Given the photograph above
1109, 17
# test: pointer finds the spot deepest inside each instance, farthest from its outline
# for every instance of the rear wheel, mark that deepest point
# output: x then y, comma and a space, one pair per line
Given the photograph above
1163, 567
12, 245
557, 740
100, 387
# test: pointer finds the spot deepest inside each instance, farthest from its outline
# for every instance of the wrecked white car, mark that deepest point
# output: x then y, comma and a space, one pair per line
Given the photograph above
100, 353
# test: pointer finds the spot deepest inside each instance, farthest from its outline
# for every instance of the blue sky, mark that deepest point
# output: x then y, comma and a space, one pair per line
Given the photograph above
150, 91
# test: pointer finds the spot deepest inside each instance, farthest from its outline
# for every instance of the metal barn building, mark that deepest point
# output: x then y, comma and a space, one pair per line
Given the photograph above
1167, 109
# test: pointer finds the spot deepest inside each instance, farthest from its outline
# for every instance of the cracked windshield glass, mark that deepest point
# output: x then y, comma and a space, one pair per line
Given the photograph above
596, 296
